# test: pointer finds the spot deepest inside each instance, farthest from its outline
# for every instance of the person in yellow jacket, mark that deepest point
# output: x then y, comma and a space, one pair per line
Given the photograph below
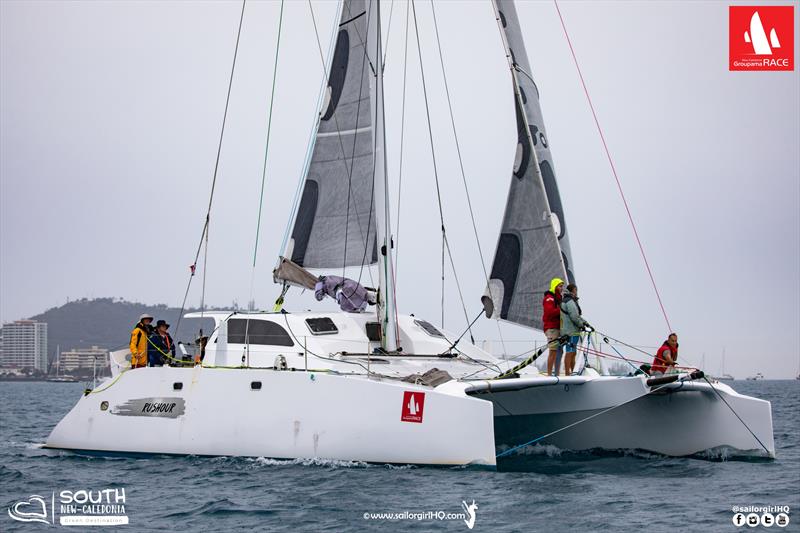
139, 341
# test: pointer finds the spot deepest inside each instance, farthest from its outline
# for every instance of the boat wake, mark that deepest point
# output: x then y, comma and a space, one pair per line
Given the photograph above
549, 451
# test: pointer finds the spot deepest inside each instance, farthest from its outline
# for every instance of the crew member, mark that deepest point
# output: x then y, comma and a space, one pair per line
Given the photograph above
139, 336
160, 346
572, 323
666, 356
551, 323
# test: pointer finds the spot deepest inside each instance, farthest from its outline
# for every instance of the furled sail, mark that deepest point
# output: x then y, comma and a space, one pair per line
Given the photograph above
533, 246
335, 222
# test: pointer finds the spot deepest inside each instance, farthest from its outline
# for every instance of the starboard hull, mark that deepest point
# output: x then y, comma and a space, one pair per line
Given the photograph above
682, 419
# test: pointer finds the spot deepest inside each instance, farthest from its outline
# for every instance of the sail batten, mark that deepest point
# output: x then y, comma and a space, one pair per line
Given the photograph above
335, 222
533, 246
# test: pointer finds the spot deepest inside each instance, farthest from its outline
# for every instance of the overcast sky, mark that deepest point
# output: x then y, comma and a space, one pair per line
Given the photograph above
109, 122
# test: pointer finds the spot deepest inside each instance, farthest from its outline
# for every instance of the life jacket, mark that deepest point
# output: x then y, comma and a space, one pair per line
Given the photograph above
138, 345
660, 361
551, 311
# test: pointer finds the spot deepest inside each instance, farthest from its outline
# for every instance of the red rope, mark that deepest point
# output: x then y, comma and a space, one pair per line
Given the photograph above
613, 169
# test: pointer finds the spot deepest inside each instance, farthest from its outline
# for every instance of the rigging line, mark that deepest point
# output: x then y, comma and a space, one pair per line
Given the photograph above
314, 129
433, 153
388, 33
374, 146
205, 269
348, 168
263, 181
402, 142
358, 33
613, 168
269, 132
204, 234
352, 158
445, 243
458, 146
460, 162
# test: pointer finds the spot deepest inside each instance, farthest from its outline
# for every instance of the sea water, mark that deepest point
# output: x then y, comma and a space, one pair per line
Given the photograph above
540, 489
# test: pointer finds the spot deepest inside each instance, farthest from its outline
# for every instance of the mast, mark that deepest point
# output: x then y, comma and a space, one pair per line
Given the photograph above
387, 310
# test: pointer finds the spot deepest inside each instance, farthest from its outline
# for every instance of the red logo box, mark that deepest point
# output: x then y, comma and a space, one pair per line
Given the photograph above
761, 37
413, 406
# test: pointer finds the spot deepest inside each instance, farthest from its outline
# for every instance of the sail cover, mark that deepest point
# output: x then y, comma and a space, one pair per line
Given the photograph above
533, 246
335, 221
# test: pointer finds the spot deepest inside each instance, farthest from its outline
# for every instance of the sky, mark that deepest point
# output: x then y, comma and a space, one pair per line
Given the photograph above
110, 116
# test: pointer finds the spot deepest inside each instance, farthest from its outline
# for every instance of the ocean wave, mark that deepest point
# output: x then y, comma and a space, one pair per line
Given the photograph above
331, 463
219, 508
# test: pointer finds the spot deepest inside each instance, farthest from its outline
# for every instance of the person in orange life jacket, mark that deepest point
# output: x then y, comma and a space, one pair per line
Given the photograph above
666, 356
138, 344
551, 323
160, 343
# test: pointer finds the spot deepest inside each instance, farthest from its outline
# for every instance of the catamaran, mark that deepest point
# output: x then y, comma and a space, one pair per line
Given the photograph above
385, 387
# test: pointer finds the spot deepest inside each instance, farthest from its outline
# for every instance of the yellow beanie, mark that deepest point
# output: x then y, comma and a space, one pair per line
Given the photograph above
555, 282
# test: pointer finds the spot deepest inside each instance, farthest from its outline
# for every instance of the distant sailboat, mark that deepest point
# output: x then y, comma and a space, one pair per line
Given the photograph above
723, 376
58, 378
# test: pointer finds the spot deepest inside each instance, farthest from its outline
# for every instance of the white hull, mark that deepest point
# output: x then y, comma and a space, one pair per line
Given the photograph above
678, 420
294, 415
336, 402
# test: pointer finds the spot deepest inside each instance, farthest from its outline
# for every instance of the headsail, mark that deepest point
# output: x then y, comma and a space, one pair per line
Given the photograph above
335, 221
533, 246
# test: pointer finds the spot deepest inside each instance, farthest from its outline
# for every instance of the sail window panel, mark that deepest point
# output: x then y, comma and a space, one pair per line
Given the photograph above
305, 221
338, 75
259, 332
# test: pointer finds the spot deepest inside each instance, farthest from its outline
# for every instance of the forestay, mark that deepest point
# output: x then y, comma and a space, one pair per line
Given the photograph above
533, 246
335, 221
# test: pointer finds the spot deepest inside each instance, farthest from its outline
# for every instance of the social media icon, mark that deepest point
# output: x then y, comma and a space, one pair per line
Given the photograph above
738, 519
753, 520
767, 520
782, 519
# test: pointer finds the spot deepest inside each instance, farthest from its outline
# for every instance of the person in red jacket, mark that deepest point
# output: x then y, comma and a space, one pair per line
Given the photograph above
551, 323
666, 356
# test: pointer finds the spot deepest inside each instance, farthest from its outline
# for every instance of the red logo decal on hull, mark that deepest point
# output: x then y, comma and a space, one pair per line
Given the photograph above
413, 406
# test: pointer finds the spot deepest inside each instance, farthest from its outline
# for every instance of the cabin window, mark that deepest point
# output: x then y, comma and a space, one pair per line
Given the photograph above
321, 326
429, 328
258, 332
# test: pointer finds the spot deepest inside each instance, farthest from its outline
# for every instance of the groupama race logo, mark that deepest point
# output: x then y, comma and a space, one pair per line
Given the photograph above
761, 37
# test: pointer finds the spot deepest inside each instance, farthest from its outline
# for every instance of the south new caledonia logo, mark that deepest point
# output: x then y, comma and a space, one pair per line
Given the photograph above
761, 37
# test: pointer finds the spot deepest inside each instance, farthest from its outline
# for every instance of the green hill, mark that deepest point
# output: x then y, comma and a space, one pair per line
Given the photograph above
107, 322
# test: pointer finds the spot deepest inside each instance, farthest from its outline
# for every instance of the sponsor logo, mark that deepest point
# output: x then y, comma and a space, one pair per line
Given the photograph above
413, 406
34, 509
761, 37
105, 507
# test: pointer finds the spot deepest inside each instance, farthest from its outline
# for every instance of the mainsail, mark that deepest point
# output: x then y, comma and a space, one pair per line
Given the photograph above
335, 221
533, 246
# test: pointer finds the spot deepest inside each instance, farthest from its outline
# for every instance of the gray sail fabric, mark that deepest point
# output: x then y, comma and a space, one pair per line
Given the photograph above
533, 246
335, 222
